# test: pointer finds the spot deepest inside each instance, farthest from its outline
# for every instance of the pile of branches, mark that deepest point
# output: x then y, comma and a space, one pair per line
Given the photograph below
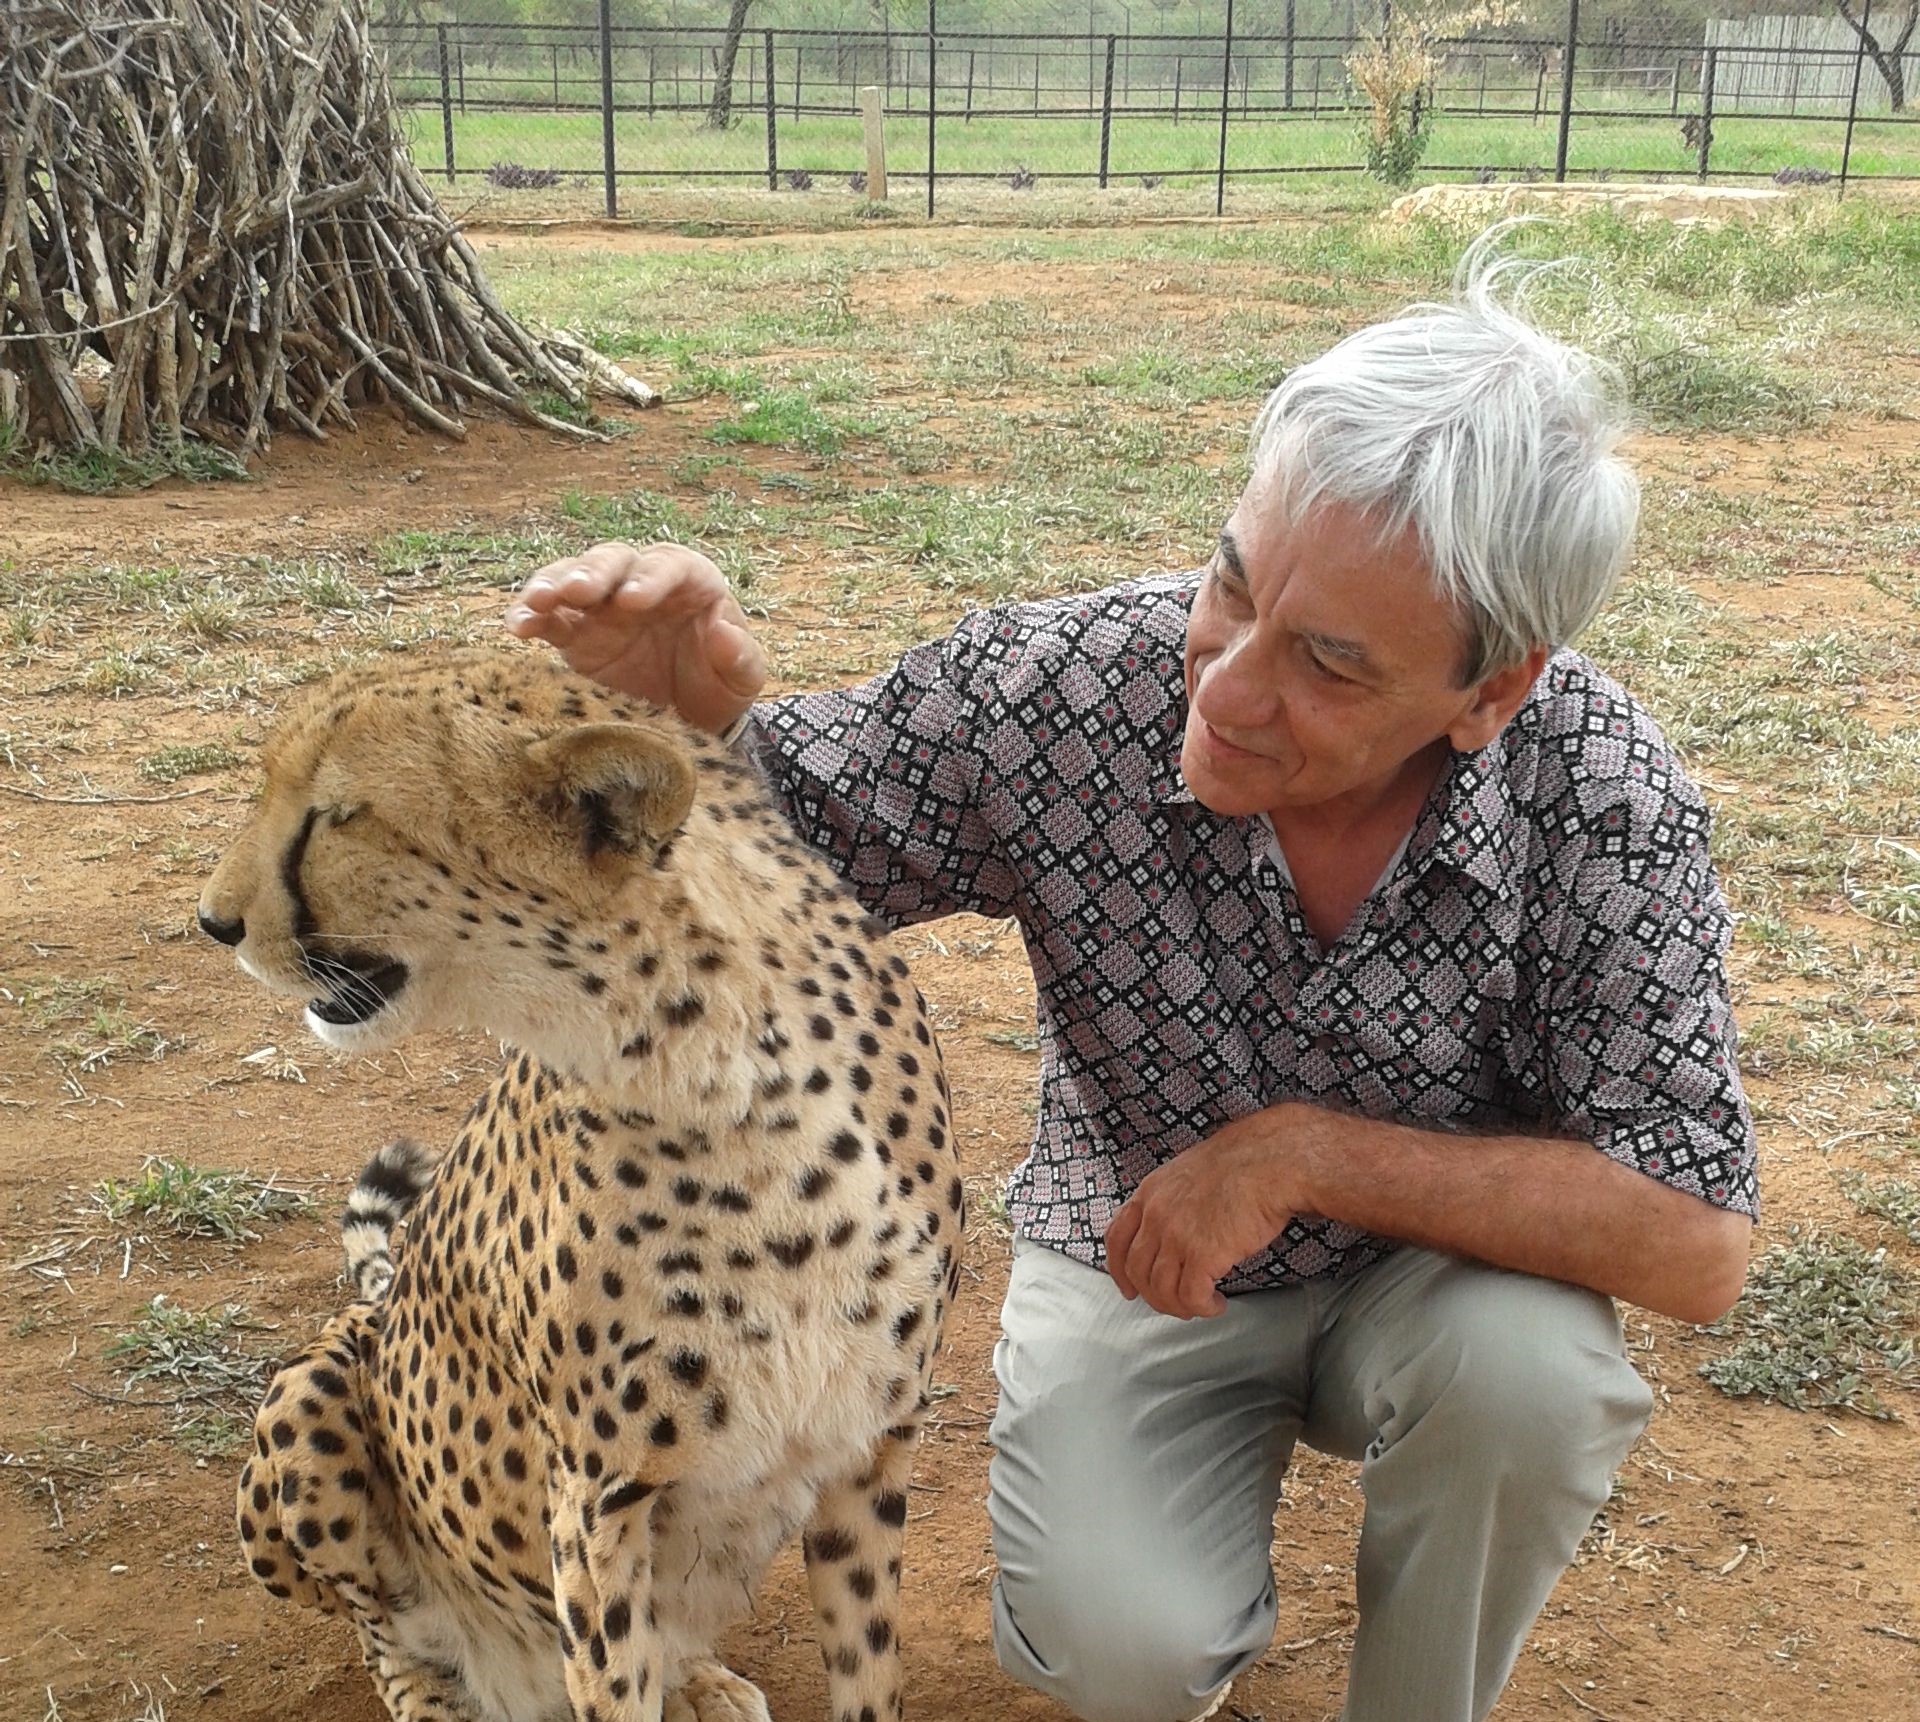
210, 227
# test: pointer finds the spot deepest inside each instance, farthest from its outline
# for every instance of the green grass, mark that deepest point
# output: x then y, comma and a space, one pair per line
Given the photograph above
195, 1202
186, 759
193, 1362
1895, 1200
995, 143
1824, 1324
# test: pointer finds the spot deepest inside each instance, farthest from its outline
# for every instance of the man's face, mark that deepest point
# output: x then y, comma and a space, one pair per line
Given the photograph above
1322, 669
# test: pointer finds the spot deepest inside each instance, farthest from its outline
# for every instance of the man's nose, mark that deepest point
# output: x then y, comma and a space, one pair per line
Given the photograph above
227, 932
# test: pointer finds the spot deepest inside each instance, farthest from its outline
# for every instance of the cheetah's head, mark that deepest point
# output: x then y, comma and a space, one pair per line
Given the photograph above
435, 843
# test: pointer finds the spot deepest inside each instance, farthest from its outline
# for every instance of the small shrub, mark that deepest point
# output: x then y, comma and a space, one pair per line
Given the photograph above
1803, 176
1022, 178
798, 179
1393, 77
857, 183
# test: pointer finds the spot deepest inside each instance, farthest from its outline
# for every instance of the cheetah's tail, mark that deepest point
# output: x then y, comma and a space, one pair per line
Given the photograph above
388, 1186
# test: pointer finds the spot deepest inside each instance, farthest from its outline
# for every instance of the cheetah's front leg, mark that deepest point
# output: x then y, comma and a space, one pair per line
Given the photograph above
602, 1540
853, 1573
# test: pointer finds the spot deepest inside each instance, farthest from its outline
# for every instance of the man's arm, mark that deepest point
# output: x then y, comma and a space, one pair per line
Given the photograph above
1539, 1205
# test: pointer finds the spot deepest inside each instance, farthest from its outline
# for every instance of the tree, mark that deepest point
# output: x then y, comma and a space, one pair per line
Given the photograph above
1888, 57
211, 229
720, 111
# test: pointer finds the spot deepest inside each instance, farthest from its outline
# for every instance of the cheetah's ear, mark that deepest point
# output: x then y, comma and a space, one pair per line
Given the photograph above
622, 787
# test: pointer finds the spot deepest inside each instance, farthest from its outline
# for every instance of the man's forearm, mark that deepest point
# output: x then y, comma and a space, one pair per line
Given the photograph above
1540, 1205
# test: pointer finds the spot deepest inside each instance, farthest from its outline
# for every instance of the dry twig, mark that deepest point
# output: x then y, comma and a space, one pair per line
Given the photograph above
210, 227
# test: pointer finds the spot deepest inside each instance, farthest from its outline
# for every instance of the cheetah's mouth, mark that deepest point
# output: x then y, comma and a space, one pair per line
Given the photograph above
358, 987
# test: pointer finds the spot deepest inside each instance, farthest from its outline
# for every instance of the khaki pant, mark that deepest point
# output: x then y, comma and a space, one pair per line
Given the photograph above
1138, 1463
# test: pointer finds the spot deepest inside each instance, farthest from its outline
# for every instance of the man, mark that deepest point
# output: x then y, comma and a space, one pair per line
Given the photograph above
1362, 914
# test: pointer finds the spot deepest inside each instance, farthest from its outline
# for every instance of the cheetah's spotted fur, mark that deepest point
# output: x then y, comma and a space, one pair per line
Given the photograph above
672, 1293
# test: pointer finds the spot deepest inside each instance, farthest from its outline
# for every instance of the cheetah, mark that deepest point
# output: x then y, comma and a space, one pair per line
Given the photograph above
672, 1293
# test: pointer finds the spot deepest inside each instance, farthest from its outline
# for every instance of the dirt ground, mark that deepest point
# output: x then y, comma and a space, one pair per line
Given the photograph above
1754, 1561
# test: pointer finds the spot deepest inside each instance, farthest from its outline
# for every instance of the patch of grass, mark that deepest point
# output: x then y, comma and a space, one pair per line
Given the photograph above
187, 759
191, 1360
105, 472
1825, 1323
787, 418
1895, 1200
196, 1202
1892, 898
89, 1021
1825, 1041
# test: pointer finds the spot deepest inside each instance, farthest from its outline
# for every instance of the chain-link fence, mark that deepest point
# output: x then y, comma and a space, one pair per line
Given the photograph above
595, 107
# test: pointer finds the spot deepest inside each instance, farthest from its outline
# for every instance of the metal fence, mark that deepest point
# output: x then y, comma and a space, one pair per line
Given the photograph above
607, 108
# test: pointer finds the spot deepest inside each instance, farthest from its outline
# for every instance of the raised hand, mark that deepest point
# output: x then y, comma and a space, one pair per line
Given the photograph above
657, 622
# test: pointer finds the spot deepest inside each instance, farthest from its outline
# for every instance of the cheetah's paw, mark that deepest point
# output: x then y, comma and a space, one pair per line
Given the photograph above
712, 1693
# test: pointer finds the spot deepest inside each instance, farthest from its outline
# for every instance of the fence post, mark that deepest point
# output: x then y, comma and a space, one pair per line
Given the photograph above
556, 76
1679, 71
1706, 110
446, 99
874, 123
933, 102
799, 56
650, 54
1106, 118
1226, 98
1288, 98
773, 142
1179, 66
606, 106
1853, 100
970, 86
1566, 91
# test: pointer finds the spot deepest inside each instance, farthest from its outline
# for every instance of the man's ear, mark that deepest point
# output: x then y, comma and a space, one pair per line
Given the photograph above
622, 788
1494, 700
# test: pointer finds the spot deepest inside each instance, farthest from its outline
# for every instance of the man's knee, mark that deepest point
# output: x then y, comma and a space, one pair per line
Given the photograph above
1531, 1378
1155, 1654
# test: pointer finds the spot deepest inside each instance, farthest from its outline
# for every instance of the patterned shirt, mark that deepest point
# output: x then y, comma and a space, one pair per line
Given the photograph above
1545, 958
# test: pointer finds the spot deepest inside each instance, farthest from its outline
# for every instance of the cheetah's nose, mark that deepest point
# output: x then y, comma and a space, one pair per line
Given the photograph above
227, 932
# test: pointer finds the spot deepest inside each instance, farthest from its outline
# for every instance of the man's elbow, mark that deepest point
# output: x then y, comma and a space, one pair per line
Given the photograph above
1719, 1269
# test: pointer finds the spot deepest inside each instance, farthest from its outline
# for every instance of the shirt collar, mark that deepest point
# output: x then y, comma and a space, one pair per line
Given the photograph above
1467, 824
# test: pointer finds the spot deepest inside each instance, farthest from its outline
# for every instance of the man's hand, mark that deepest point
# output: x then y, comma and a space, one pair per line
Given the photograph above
659, 623
1212, 1206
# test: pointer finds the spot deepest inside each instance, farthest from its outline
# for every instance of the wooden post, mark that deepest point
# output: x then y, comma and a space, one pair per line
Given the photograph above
874, 121
1706, 111
650, 53
1106, 118
1483, 82
1036, 83
773, 142
799, 54
1540, 89
1226, 98
970, 53
606, 106
1566, 91
1179, 65
556, 75
446, 99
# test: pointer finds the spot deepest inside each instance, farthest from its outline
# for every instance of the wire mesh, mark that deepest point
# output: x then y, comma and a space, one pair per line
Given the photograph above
595, 102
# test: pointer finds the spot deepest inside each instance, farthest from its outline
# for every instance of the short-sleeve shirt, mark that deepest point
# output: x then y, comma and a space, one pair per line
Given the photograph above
1545, 958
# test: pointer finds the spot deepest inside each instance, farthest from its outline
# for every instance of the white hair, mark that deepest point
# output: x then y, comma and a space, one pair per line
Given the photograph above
1493, 442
